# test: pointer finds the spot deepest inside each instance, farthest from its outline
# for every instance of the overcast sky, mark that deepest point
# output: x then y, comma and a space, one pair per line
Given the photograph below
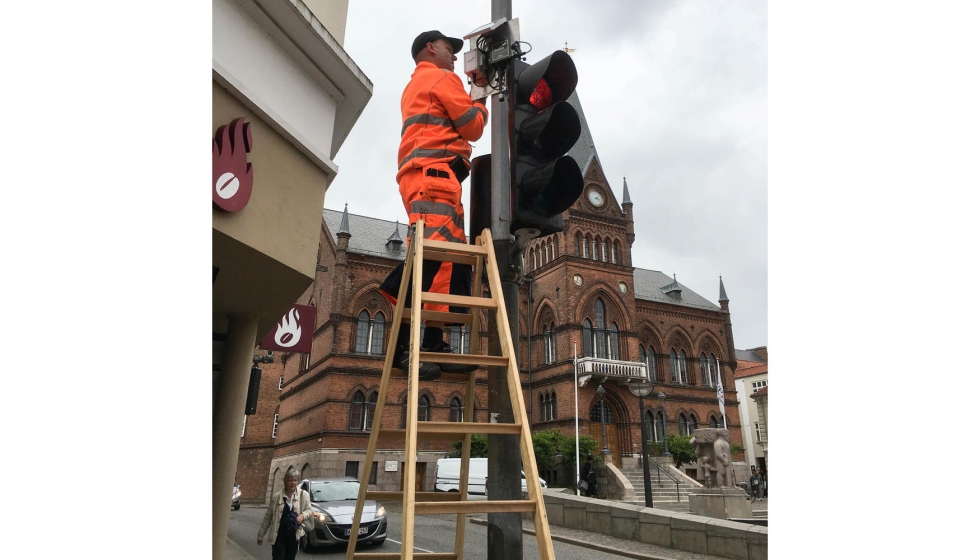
674, 93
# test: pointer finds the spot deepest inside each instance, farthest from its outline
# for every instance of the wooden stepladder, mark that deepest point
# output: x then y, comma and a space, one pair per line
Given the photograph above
481, 256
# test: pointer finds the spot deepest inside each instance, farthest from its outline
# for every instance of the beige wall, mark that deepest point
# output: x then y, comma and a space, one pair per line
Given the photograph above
332, 14
750, 415
267, 251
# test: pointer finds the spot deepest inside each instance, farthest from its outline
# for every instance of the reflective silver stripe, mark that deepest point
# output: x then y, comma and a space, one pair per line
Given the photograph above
444, 231
424, 152
468, 116
438, 209
425, 118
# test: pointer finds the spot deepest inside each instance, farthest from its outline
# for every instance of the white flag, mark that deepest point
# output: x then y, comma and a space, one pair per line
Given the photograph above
721, 401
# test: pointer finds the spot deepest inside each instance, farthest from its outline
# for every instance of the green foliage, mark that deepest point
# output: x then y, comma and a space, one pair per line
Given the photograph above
680, 447
587, 445
478, 447
736, 448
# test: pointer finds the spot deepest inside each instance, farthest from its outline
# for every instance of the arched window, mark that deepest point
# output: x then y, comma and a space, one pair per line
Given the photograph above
674, 367
613, 342
356, 411
546, 339
585, 246
661, 425
369, 407
715, 374
554, 406
601, 349
682, 424
595, 250
578, 244
587, 339
643, 359
682, 367
713, 422
649, 427
692, 424
552, 249
423, 410
651, 365
455, 411
459, 339
370, 334
605, 250
708, 370
615, 252
544, 406
549, 408
554, 343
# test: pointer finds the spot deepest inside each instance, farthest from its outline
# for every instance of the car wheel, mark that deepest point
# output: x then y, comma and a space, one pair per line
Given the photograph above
238, 506
378, 542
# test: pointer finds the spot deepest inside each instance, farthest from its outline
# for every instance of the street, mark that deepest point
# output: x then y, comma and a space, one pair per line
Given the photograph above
433, 533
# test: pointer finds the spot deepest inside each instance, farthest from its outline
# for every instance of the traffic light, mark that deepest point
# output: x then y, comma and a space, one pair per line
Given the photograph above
479, 196
252, 398
548, 182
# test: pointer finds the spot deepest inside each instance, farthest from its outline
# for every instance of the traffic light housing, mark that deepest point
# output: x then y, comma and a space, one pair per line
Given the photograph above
548, 182
480, 196
252, 398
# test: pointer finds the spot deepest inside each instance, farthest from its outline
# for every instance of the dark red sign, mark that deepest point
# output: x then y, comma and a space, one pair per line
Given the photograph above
294, 333
231, 173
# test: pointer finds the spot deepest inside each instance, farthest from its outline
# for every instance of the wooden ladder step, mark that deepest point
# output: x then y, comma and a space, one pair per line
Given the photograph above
489, 506
398, 555
430, 246
456, 429
398, 495
440, 316
459, 301
446, 376
471, 359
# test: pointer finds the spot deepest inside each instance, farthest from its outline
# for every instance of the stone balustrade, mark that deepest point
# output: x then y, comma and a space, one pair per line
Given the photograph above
612, 369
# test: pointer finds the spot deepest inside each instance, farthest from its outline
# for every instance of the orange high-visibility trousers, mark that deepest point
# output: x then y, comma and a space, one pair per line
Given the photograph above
433, 194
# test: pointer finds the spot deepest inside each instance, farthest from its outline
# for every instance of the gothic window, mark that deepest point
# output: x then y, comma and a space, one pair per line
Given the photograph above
661, 425
455, 411
585, 247
459, 339
369, 407
595, 252
370, 334
554, 406
678, 367
682, 424
544, 406
605, 251
587, 339
595, 413
600, 329
651, 362
423, 410
554, 343
709, 371
615, 252
649, 427
356, 411
643, 354
673, 366
613, 342
692, 424
713, 422
578, 245
552, 249
547, 345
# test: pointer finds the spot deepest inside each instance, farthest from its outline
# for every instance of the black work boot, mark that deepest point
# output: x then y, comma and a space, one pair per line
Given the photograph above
433, 342
427, 371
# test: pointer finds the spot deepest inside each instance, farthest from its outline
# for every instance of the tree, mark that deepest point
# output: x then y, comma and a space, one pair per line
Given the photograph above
478, 447
680, 448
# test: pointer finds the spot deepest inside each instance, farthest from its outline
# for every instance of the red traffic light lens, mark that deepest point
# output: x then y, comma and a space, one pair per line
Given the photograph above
541, 96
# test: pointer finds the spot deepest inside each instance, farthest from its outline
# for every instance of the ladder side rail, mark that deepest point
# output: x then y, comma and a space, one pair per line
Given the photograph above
382, 398
545, 546
412, 406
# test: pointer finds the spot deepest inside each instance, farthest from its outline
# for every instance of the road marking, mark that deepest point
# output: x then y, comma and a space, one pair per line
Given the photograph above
416, 548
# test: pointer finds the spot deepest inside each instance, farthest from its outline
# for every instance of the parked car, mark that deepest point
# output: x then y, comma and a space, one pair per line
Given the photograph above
447, 476
236, 497
333, 500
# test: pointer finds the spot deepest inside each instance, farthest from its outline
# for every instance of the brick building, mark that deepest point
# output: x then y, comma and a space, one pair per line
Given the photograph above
581, 292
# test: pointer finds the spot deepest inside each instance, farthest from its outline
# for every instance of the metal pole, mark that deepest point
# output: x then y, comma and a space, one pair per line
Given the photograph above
648, 492
578, 470
602, 414
504, 531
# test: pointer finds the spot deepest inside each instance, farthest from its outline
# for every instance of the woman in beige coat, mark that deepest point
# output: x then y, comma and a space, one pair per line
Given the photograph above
285, 543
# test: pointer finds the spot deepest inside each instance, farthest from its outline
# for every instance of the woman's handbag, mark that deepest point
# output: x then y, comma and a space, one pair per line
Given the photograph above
583, 486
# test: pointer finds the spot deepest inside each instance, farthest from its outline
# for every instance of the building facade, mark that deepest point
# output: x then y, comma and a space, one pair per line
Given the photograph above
751, 376
587, 316
273, 150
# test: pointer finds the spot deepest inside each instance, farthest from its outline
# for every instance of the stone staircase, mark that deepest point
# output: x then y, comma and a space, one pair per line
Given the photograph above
664, 492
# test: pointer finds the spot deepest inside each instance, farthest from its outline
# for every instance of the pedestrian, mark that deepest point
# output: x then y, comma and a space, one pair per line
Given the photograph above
439, 120
764, 483
588, 475
754, 484
287, 511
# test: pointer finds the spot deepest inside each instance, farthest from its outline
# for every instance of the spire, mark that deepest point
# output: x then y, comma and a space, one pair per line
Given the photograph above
395, 239
344, 223
626, 192
722, 296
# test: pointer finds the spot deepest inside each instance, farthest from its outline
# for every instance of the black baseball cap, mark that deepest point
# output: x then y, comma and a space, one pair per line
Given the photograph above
427, 37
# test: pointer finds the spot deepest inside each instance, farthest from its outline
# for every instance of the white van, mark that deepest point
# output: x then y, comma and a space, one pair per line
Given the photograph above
447, 476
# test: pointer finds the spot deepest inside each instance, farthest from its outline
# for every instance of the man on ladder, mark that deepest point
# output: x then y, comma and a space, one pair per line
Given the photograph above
439, 120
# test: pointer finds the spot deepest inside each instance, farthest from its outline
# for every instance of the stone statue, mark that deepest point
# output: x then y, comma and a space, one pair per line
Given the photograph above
722, 459
714, 457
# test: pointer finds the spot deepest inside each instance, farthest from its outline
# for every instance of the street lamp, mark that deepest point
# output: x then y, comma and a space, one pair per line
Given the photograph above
663, 410
642, 390
601, 392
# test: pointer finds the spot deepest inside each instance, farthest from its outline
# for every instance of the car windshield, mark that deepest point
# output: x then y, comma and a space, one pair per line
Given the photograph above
334, 491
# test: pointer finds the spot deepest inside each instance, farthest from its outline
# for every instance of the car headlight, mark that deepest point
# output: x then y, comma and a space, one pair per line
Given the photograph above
323, 517
380, 513
237, 494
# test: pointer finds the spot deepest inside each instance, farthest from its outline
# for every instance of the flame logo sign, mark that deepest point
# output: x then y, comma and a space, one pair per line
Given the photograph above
289, 331
231, 171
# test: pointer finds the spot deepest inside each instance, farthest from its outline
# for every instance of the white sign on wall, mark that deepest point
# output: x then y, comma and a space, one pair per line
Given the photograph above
391, 466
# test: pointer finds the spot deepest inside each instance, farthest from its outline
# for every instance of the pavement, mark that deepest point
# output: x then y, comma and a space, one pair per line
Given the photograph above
235, 552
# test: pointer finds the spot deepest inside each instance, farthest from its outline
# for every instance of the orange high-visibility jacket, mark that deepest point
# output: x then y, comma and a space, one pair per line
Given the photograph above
439, 120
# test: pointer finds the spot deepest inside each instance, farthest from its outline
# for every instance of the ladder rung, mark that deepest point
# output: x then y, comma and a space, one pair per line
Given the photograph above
398, 555
440, 316
489, 506
454, 430
451, 257
459, 301
397, 496
446, 376
471, 359
445, 246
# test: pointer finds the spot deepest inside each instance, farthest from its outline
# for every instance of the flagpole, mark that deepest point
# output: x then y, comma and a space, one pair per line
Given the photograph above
578, 471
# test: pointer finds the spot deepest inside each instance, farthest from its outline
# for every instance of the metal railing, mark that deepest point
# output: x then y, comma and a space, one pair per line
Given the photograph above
674, 479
